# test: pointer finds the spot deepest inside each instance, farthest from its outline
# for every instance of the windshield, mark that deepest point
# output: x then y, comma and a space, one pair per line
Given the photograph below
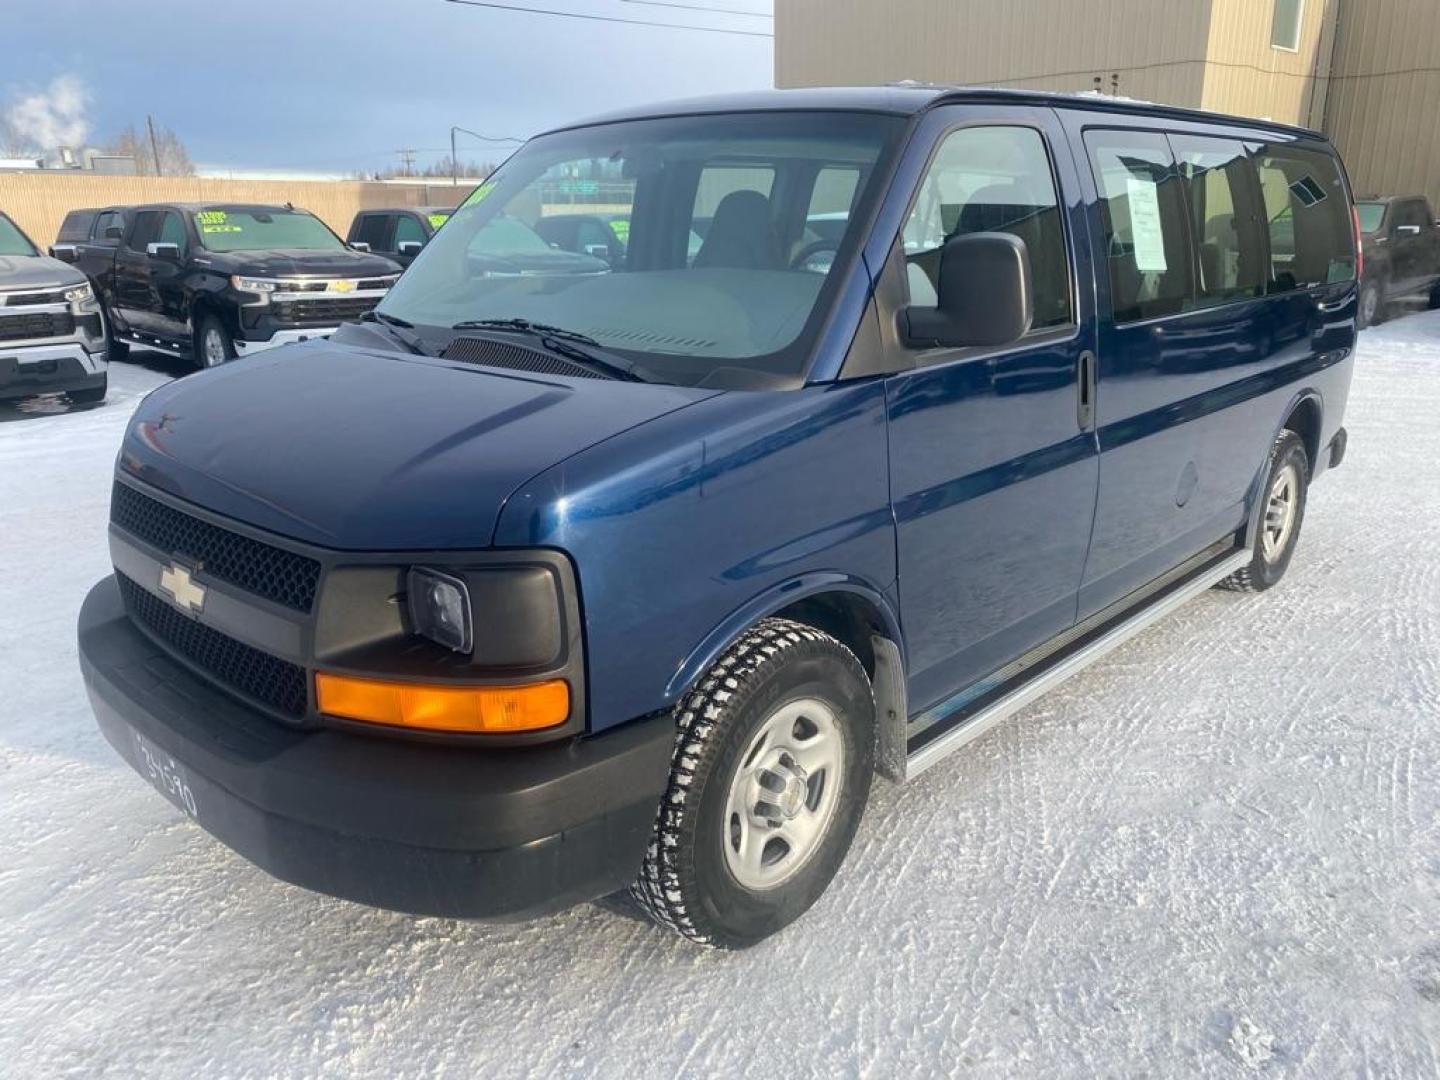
1371, 214
12, 240
227, 229
685, 245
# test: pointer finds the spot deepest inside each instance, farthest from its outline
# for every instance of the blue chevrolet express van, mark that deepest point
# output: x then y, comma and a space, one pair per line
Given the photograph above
892, 409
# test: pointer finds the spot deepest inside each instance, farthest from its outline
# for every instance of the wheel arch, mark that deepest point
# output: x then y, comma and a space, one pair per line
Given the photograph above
1304, 415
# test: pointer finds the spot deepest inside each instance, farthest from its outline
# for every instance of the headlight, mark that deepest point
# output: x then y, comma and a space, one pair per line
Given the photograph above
250, 284
440, 609
80, 294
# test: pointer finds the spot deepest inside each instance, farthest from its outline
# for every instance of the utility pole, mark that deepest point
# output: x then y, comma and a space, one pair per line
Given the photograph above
154, 145
407, 160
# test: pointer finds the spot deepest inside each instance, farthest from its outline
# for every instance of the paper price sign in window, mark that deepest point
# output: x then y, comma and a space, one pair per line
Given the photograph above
1145, 231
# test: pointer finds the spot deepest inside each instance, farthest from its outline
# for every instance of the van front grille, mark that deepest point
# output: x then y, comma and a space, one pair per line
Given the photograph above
275, 683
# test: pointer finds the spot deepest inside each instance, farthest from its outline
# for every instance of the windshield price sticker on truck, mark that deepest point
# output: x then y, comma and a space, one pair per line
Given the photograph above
436, 220
1145, 230
480, 193
213, 221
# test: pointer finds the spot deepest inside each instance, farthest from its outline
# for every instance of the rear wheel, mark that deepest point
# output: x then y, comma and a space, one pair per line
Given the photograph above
213, 344
115, 349
1435, 296
1372, 305
771, 771
1286, 483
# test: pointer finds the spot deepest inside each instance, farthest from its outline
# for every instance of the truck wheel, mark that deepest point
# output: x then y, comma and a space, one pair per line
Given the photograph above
115, 349
91, 394
213, 344
771, 770
1286, 483
1435, 296
1372, 305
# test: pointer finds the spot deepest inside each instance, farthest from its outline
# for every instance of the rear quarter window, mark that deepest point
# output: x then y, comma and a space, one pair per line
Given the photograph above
1307, 217
76, 226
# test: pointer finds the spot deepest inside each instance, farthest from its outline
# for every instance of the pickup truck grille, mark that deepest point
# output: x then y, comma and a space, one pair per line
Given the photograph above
322, 311
19, 298
267, 679
41, 325
273, 573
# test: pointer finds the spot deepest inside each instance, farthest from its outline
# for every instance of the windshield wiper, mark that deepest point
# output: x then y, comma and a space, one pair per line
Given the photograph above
396, 330
561, 341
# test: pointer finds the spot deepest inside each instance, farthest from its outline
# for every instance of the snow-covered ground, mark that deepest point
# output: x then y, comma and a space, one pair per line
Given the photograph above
1217, 853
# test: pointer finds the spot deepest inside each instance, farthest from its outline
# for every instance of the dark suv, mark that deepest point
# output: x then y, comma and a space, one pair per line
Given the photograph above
398, 233
1401, 243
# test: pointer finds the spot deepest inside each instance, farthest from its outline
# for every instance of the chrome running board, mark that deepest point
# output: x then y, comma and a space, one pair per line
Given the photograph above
947, 727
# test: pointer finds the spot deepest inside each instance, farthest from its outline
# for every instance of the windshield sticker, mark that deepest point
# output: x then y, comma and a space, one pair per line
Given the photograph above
480, 193
1145, 230
436, 220
213, 221
621, 228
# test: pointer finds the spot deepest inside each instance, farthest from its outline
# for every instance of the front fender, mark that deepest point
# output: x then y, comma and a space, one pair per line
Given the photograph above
768, 603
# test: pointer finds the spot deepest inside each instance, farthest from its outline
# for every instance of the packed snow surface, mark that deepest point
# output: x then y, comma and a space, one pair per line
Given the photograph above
1216, 853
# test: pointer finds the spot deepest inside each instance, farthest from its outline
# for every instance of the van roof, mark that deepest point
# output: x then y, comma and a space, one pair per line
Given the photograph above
909, 98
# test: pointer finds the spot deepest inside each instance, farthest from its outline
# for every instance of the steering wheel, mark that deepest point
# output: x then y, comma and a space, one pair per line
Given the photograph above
817, 257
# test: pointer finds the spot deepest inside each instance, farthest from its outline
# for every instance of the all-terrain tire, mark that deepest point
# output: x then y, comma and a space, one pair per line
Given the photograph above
1371, 308
1267, 567
686, 882
213, 344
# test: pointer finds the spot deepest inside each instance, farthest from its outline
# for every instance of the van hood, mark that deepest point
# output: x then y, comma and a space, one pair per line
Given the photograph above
28, 271
302, 262
363, 449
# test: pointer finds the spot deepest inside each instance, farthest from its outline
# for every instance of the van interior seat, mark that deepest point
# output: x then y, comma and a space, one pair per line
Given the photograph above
741, 235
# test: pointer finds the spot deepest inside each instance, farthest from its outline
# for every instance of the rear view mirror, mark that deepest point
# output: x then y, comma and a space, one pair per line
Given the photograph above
984, 295
359, 245
63, 252
1407, 230
114, 232
409, 247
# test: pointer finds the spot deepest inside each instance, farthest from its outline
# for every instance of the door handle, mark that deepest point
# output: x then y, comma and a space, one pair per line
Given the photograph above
1085, 396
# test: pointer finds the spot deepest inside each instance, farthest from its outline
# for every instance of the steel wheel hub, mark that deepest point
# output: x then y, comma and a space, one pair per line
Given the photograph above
1280, 511
783, 795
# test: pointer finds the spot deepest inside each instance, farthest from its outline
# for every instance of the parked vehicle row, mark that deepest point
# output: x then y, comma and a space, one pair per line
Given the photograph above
617, 567
52, 335
214, 281
1400, 239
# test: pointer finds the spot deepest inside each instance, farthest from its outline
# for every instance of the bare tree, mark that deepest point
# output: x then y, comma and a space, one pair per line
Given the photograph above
174, 158
12, 143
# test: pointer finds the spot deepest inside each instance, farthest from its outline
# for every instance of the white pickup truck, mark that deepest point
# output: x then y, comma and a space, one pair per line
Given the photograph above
52, 335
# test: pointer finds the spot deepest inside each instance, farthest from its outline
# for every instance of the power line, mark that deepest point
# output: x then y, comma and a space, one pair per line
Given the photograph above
1214, 63
699, 7
611, 19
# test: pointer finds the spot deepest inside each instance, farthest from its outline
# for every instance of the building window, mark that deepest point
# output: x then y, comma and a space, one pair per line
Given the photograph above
1285, 27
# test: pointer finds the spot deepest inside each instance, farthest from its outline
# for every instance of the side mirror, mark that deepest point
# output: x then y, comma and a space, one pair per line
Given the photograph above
409, 247
984, 297
114, 232
359, 245
164, 251
1407, 230
64, 252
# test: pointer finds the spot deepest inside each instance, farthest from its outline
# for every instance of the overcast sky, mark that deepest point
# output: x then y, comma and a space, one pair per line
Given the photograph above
330, 86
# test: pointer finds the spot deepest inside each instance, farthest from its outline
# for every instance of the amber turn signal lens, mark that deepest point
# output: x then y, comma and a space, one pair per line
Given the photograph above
444, 708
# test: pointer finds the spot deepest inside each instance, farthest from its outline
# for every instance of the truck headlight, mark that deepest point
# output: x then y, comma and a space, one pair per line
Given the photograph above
80, 294
259, 286
440, 609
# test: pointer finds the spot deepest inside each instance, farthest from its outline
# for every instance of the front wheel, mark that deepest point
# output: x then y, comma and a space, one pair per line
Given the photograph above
1286, 483
769, 778
213, 344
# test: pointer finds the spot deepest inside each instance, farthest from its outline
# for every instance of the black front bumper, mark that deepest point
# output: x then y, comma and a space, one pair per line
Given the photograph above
21, 377
415, 827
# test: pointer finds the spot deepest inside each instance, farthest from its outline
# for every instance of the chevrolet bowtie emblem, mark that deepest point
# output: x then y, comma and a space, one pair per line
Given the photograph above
342, 286
175, 581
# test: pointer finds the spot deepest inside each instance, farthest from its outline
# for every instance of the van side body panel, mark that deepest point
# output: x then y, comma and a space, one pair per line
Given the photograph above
740, 506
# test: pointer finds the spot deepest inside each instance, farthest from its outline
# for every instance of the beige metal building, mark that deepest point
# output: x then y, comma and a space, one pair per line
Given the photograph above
1367, 72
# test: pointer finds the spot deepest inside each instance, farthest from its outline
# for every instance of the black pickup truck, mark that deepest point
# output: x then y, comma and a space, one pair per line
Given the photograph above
213, 282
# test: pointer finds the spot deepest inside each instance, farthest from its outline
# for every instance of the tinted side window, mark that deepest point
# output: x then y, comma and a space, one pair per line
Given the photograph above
172, 231
1311, 239
991, 179
76, 226
147, 229
407, 228
1143, 206
1226, 217
374, 229
111, 219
